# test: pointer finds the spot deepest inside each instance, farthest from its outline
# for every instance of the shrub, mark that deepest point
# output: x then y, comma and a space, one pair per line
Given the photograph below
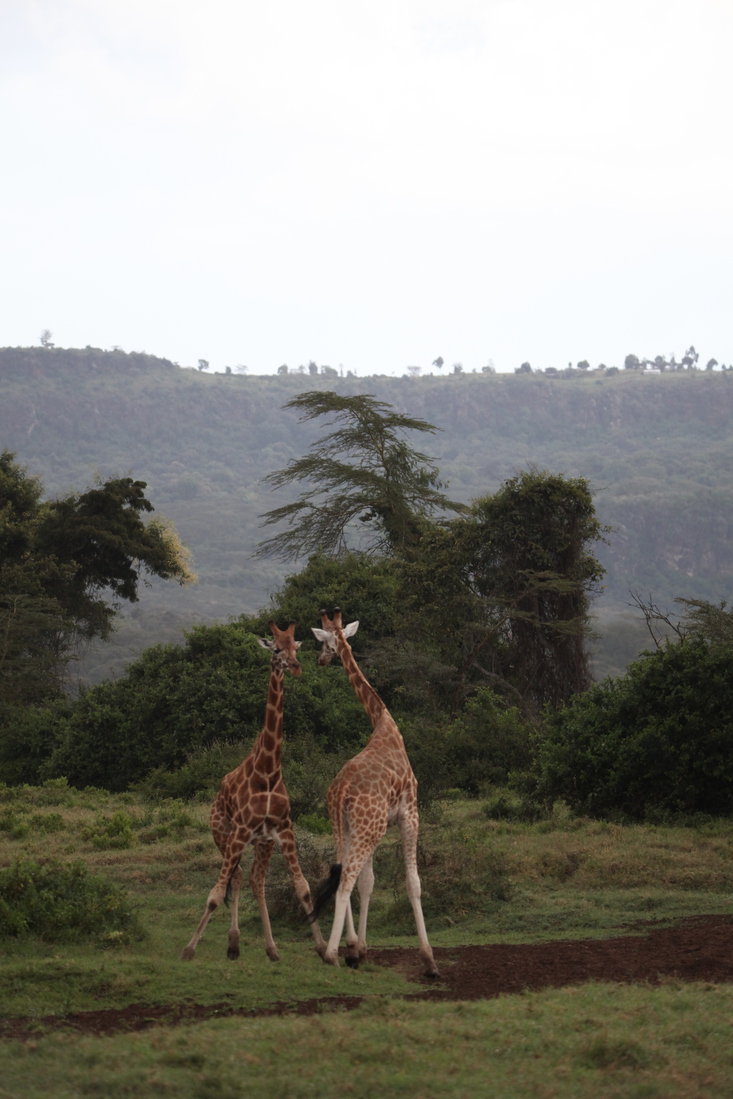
110, 832
486, 742
177, 701
655, 743
59, 902
459, 875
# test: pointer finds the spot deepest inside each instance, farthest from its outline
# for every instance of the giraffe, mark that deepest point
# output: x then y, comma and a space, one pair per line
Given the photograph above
374, 789
252, 806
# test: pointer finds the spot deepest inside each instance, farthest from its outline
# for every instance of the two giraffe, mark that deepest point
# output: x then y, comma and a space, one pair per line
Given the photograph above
373, 790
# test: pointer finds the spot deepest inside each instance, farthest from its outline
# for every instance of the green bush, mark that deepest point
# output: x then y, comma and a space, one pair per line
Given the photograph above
486, 742
59, 902
654, 744
113, 832
28, 736
176, 701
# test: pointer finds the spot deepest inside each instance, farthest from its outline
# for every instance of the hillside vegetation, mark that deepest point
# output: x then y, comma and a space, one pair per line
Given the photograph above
657, 448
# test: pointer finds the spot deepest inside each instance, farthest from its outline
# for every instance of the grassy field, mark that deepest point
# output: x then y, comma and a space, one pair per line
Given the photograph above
484, 880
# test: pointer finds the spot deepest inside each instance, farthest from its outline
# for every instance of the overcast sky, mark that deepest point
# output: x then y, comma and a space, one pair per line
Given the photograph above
370, 184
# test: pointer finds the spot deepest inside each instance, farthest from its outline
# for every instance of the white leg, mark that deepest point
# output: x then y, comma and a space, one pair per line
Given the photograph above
408, 830
351, 938
366, 886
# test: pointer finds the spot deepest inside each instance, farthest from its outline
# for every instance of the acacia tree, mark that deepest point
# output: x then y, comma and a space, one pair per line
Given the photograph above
363, 471
64, 566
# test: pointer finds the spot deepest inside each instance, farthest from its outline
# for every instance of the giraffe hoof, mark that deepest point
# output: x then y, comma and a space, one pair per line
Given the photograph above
433, 973
187, 953
352, 961
233, 953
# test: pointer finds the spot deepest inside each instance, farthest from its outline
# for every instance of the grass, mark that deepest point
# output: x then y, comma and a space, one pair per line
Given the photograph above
484, 880
596, 1041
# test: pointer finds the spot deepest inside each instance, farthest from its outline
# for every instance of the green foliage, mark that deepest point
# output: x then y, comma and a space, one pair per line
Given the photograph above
363, 472
113, 832
656, 743
363, 586
500, 596
486, 742
65, 903
28, 736
179, 700
59, 563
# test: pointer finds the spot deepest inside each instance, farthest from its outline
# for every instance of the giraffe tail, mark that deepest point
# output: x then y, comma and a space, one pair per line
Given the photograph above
325, 891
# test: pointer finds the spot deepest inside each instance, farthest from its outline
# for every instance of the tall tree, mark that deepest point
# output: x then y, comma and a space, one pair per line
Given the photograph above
363, 471
502, 593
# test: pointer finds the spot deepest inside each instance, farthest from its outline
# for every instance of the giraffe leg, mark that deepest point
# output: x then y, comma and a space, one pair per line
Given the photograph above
358, 952
343, 899
286, 839
236, 842
408, 830
263, 854
351, 937
233, 945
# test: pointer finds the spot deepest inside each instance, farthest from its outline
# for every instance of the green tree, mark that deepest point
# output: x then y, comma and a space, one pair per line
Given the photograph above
657, 741
60, 562
363, 471
501, 595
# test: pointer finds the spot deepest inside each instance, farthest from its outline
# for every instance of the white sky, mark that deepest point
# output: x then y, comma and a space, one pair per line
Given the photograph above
368, 183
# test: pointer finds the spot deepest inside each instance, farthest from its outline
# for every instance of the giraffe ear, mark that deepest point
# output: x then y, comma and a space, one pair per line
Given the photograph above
351, 629
267, 643
320, 635
297, 644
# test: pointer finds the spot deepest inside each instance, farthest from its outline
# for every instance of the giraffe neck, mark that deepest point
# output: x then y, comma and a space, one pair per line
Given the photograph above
268, 747
366, 694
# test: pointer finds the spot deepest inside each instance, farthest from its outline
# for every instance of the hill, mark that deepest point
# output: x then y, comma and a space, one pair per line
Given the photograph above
657, 448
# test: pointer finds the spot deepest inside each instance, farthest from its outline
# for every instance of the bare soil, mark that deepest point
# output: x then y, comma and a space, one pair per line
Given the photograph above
698, 949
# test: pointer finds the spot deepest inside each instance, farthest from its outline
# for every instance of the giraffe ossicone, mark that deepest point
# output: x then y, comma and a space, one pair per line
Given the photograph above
373, 790
252, 806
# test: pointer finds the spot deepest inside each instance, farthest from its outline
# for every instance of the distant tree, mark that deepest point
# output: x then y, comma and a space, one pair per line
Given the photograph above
329, 372
362, 471
551, 370
439, 362
282, 370
632, 362
584, 365
45, 338
488, 369
203, 364
660, 362
414, 371
227, 369
690, 357
711, 364
312, 367
612, 370
525, 368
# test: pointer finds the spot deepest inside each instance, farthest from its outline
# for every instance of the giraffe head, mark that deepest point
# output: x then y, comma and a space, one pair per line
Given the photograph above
284, 647
327, 634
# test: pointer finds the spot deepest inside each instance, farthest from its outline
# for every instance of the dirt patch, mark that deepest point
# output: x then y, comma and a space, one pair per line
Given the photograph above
698, 949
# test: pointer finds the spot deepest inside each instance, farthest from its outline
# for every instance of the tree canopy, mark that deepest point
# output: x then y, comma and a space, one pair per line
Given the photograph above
60, 561
363, 471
